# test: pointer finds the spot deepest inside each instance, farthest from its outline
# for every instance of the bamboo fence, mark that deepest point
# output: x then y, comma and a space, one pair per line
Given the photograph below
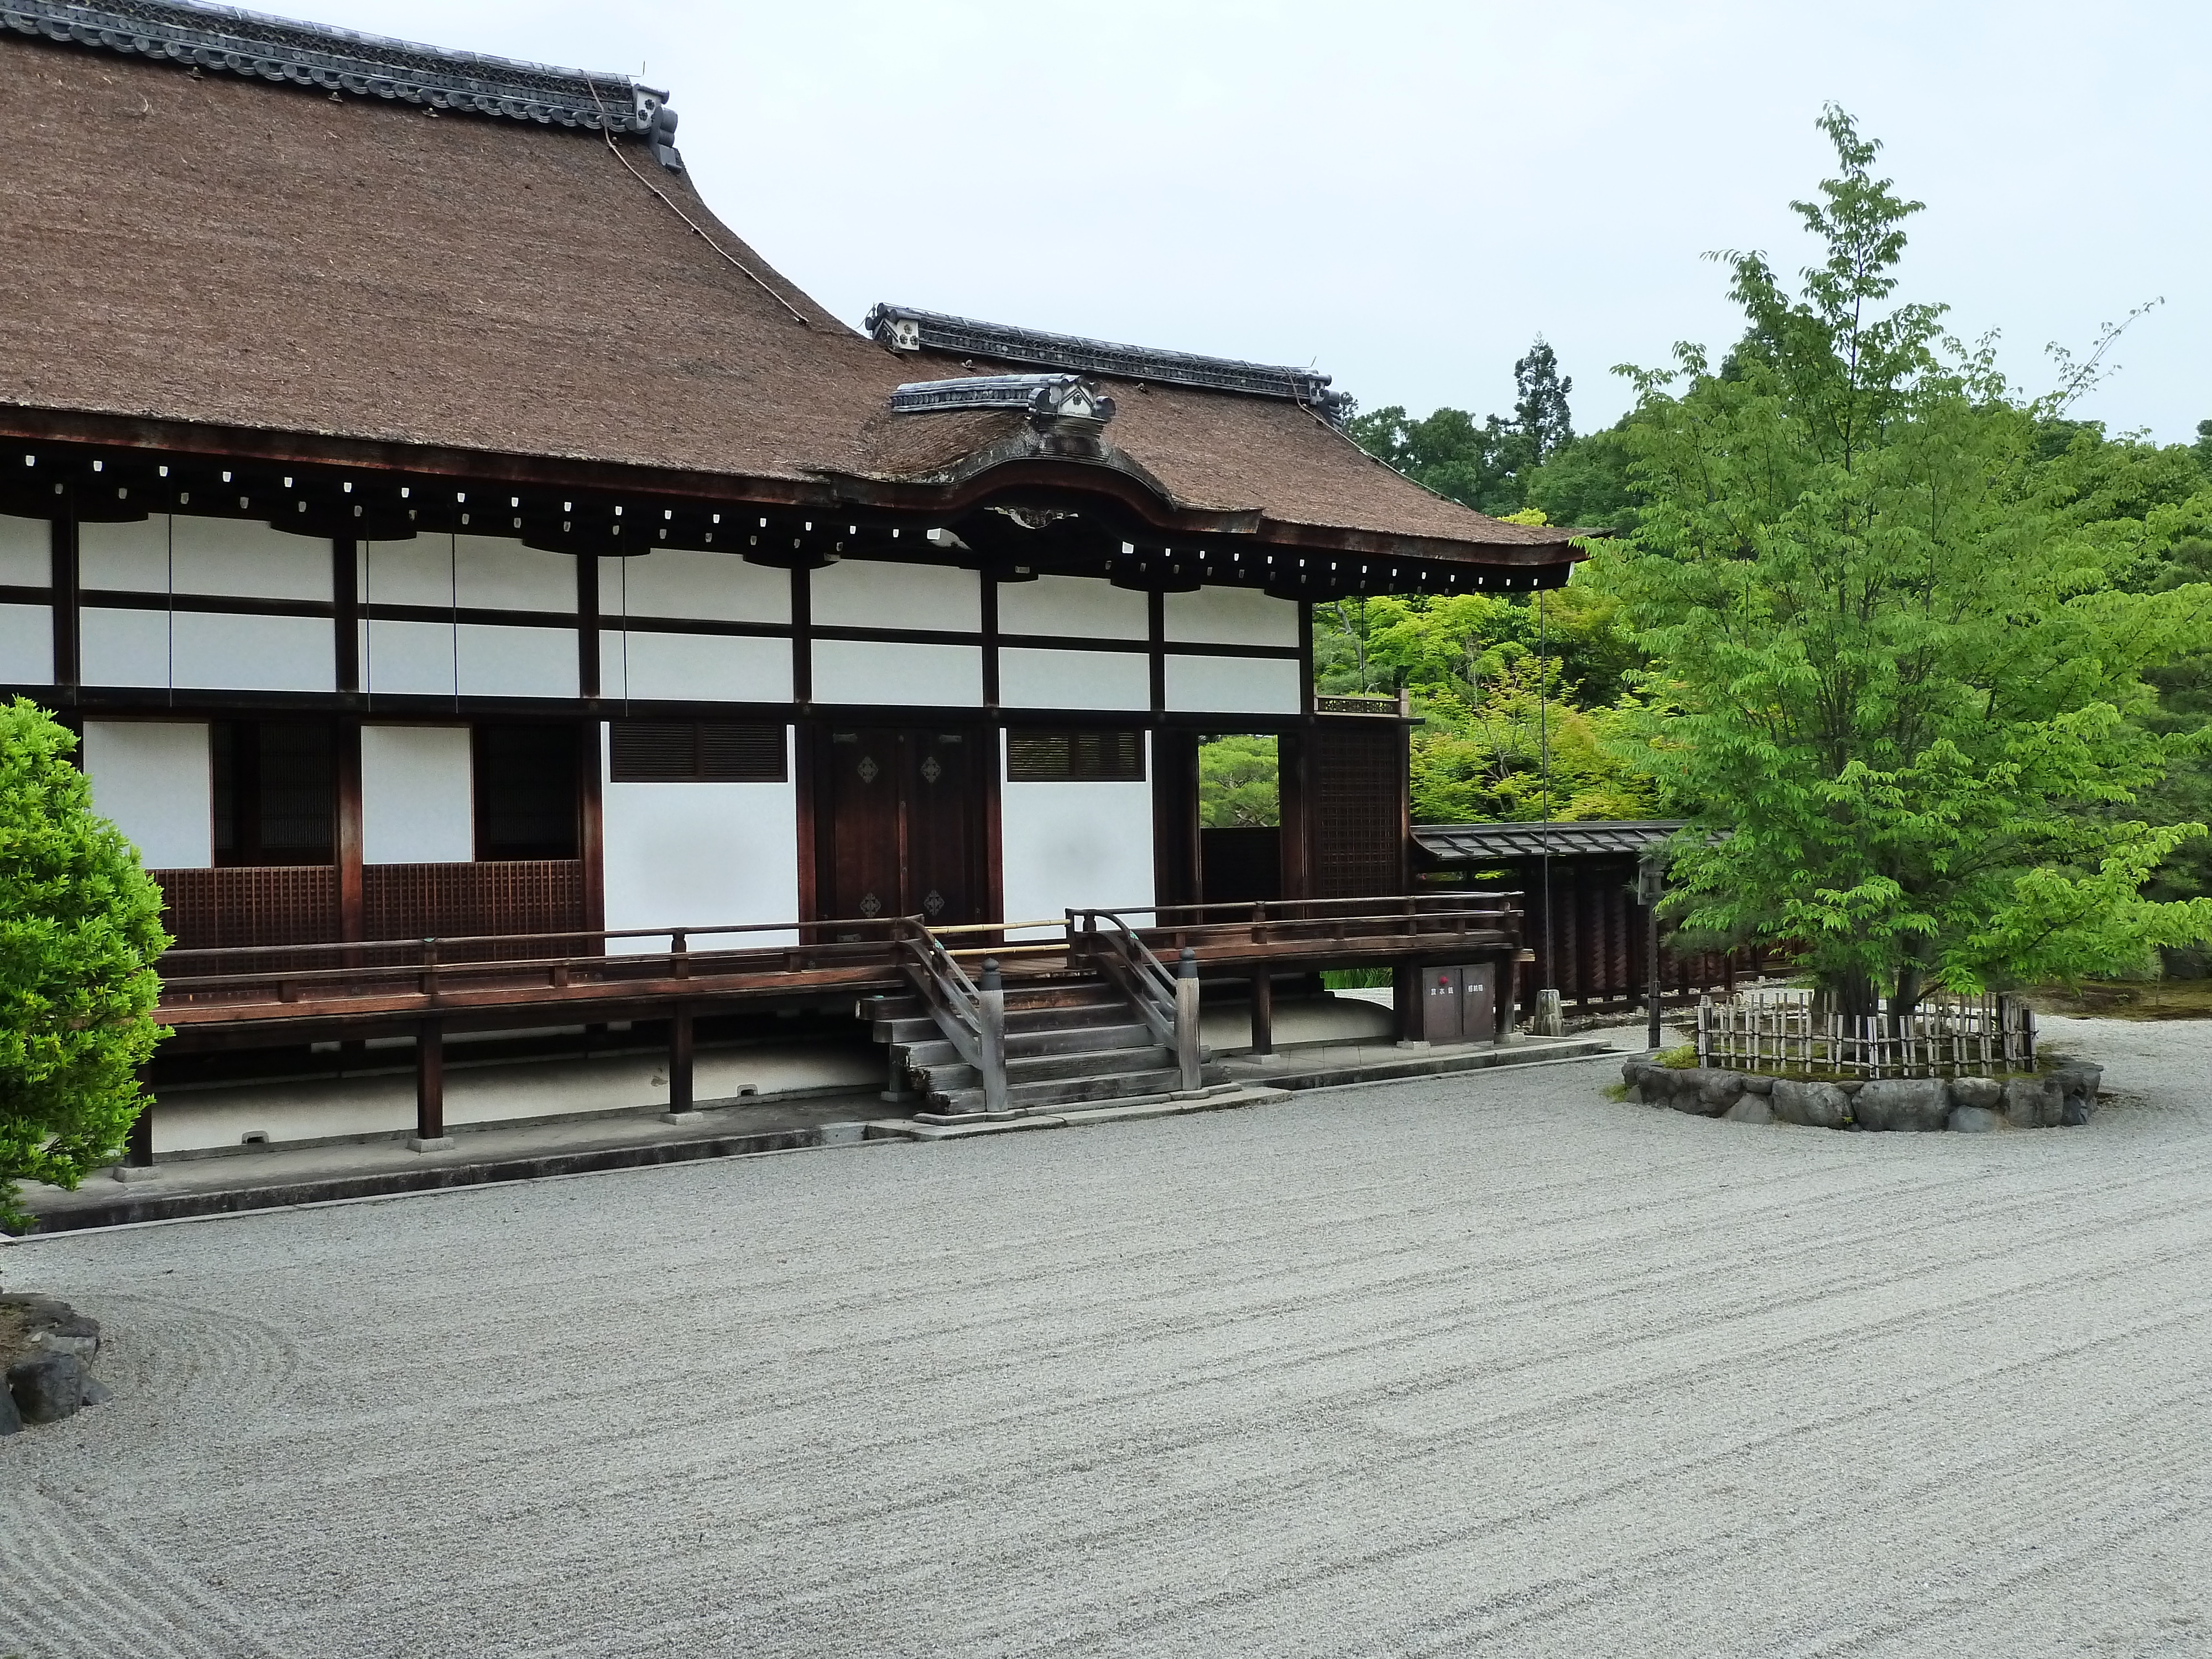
1942, 1036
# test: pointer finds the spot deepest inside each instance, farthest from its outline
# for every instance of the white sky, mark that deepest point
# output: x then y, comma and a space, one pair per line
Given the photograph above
1403, 194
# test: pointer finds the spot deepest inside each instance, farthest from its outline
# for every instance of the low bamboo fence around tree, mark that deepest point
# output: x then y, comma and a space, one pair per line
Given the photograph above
1942, 1036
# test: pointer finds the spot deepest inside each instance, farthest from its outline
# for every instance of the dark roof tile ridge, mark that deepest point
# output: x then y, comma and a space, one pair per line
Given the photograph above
907, 328
258, 45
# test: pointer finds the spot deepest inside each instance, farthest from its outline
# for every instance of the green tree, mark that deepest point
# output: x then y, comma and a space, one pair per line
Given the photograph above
1541, 420
1903, 682
80, 928
1238, 783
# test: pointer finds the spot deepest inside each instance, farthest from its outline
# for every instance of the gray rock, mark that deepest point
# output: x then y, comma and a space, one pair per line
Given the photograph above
48, 1388
1718, 1091
1750, 1109
1758, 1085
1902, 1104
1975, 1119
54, 1326
1632, 1071
1814, 1105
11, 1420
2076, 1113
2077, 1088
2033, 1103
1982, 1093
95, 1391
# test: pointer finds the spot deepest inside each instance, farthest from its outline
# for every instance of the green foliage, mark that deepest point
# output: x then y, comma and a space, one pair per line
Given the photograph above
1471, 662
1488, 465
1479, 759
1238, 783
1684, 1059
1901, 623
80, 928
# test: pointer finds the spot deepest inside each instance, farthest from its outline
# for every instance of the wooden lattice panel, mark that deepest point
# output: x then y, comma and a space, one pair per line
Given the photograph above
448, 901
1357, 792
250, 904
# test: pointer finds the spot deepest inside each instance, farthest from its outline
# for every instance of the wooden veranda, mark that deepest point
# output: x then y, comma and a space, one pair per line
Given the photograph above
275, 996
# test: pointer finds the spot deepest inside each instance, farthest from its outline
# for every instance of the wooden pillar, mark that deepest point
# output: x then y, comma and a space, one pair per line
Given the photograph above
1292, 796
1509, 994
351, 916
430, 1088
1263, 1012
68, 668
138, 1149
679, 1062
1406, 999
591, 819
587, 624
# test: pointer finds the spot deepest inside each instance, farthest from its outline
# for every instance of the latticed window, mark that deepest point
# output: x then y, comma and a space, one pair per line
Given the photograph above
697, 751
274, 792
1075, 756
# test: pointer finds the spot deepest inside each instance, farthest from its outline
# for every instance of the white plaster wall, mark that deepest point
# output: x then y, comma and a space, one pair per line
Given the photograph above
712, 667
498, 661
1230, 616
27, 644
1232, 686
124, 648
1068, 846
210, 651
699, 853
153, 780
131, 558
876, 593
417, 572
1079, 607
867, 672
1032, 678
27, 552
695, 586
417, 795
238, 557
495, 572
404, 658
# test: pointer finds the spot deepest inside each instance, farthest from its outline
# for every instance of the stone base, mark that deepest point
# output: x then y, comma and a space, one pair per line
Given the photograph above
683, 1117
435, 1144
135, 1171
2048, 1100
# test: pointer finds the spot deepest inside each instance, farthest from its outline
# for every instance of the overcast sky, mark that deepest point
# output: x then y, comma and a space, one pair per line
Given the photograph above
1404, 194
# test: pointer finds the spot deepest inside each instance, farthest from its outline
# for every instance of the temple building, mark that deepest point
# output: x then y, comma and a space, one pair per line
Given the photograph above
439, 525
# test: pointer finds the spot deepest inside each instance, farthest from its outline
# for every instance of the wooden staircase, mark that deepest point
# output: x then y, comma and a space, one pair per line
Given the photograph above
1073, 1040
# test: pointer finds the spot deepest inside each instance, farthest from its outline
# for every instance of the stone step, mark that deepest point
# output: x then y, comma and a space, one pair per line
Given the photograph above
1065, 1092
1100, 1011
1081, 1039
953, 1073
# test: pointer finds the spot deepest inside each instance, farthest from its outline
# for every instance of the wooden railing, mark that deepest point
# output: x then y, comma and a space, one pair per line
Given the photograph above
1422, 923
972, 1017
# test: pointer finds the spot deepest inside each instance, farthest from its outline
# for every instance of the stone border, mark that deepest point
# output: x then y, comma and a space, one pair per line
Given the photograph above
56, 1381
2066, 1097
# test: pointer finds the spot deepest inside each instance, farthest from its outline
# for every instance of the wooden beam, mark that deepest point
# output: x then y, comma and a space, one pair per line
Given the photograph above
1263, 1013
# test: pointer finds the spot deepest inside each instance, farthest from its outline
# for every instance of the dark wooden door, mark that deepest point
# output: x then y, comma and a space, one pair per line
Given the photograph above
943, 828
902, 823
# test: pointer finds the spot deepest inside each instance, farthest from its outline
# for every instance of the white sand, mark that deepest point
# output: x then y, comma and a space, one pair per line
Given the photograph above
1472, 1365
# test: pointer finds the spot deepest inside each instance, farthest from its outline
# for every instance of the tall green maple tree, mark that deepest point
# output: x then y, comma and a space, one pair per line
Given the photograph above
1901, 692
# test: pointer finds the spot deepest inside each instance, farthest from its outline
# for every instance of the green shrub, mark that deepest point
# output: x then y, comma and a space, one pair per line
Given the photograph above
80, 928
1679, 1060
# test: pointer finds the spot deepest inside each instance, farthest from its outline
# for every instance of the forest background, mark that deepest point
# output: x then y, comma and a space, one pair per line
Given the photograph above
1471, 662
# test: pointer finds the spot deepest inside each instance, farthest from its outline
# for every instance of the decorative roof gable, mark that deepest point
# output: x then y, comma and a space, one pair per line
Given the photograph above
1046, 396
